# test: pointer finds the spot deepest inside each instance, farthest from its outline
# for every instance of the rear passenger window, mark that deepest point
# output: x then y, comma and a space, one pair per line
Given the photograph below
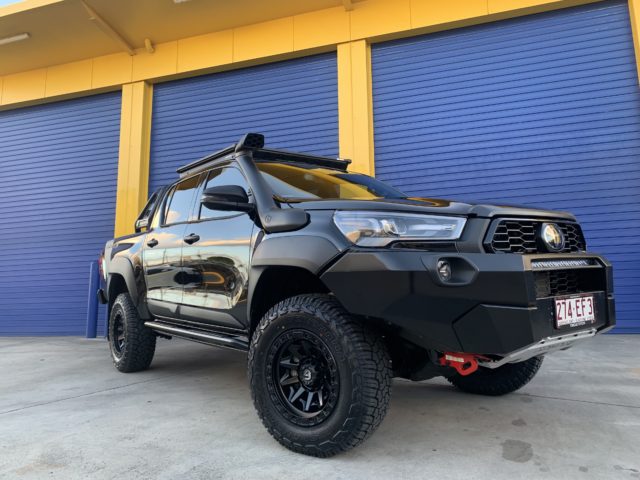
179, 201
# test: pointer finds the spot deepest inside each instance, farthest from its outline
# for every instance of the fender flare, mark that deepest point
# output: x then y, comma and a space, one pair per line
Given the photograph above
122, 266
308, 252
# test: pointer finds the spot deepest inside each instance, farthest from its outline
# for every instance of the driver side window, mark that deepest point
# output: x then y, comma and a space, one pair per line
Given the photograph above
222, 176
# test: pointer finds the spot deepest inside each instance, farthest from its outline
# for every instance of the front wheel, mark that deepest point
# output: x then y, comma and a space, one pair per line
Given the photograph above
500, 381
320, 381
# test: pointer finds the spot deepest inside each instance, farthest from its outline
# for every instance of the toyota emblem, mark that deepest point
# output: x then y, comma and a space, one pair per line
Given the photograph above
552, 237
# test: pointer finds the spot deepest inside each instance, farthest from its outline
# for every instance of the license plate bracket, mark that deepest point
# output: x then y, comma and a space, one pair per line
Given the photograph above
574, 311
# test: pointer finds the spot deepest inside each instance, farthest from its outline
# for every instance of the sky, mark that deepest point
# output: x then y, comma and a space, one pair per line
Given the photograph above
8, 2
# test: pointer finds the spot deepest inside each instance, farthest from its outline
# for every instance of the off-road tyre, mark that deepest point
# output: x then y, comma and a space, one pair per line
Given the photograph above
132, 345
500, 381
360, 398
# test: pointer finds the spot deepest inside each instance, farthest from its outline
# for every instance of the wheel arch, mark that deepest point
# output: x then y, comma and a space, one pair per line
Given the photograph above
284, 266
122, 279
273, 284
117, 285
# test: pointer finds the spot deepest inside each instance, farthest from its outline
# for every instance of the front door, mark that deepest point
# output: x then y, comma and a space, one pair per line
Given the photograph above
216, 262
162, 250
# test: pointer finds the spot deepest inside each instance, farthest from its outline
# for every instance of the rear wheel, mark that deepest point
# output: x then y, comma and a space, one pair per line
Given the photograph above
132, 344
499, 381
320, 381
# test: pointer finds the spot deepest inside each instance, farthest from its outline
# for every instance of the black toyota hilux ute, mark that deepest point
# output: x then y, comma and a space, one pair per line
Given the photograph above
334, 283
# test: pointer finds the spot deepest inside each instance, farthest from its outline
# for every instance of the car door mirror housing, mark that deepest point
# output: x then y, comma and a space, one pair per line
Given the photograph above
141, 224
226, 197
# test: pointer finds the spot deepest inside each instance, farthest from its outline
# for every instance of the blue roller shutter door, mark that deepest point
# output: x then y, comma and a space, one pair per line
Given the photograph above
58, 165
294, 103
542, 110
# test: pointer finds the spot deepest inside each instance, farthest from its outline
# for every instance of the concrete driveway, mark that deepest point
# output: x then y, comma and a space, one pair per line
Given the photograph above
65, 412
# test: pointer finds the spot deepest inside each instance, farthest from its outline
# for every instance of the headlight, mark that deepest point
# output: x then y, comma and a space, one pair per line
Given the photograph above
377, 229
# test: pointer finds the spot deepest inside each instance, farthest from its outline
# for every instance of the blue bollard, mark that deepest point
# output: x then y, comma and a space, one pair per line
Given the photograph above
92, 301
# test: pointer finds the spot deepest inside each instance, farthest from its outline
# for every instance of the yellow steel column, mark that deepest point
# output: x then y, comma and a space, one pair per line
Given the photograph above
634, 18
355, 105
133, 159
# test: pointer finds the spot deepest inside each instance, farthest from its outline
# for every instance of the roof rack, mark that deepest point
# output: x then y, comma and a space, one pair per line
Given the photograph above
205, 160
255, 143
274, 155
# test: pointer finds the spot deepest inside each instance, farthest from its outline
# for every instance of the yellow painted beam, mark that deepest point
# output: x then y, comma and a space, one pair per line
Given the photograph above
68, 78
263, 39
323, 27
501, 9
86, 77
355, 105
24, 86
434, 12
114, 69
502, 5
133, 158
164, 61
379, 17
634, 17
205, 51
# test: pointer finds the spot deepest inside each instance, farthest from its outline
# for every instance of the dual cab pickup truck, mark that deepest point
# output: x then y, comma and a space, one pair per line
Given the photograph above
334, 283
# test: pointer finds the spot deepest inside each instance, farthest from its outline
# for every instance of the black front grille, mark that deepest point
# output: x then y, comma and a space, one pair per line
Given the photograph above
522, 236
552, 283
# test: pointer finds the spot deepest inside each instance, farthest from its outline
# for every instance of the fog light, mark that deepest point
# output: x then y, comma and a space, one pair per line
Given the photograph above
444, 270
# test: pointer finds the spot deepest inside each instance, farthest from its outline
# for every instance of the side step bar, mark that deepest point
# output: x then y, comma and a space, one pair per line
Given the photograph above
219, 340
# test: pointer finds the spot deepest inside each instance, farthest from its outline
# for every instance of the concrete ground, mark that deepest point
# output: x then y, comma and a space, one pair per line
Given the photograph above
65, 412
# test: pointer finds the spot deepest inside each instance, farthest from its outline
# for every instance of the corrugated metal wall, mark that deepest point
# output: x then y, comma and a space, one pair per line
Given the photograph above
294, 103
542, 110
58, 165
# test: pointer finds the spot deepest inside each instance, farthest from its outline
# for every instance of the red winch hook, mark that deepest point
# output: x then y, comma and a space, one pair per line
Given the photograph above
463, 363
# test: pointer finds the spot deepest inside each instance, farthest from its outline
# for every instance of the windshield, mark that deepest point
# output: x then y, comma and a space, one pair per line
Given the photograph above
291, 182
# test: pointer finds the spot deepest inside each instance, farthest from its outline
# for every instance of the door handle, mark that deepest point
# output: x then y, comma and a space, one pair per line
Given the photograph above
191, 238
152, 243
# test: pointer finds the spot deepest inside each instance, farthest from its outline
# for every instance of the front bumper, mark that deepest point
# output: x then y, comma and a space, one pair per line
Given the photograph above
494, 304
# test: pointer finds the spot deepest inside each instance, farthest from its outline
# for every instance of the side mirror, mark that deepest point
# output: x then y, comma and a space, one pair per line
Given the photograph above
226, 197
141, 224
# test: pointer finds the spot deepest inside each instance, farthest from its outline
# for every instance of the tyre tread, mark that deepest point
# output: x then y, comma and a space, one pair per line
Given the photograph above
372, 382
141, 340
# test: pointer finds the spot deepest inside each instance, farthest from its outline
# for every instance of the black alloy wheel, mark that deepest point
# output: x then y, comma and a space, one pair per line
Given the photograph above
305, 375
119, 340
132, 344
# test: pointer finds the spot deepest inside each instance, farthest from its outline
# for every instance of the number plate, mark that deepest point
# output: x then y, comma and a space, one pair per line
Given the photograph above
575, 311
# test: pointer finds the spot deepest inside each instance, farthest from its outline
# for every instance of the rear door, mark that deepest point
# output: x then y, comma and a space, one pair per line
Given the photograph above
163, 249
216, 263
